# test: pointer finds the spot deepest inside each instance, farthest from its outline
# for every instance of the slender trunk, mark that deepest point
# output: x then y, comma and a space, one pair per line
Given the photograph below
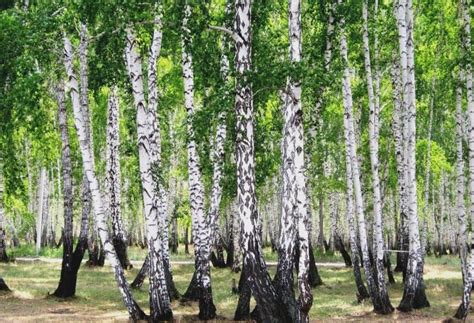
463, 309
67, 282
202, 234
354, 170
269, 306
159, 298
133, 309
386, 306
113, 179
305, 299
414, 293
3, 245
39, 219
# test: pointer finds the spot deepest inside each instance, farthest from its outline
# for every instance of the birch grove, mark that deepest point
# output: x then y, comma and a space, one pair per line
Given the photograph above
236, 160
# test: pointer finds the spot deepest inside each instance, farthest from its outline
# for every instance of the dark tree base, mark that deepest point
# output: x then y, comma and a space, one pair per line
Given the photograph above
217, 258
3, 286
207, 309
68, 280
172, 290
256, 280
461, 312
339, 244
388, 265
192, 293
242, 313
121, 249
4, 256
463, 309
314, 278
414, 300
284, 282
138, 281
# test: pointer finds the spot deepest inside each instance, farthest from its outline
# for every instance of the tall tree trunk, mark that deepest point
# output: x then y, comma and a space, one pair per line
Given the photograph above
258, 280
201, 227
39, 219
414, 291
354, 164
362, 293
398, 126
305, 299
463, 309
386, 306
133, 309
160, 308
3, 244
67, 282
113, 188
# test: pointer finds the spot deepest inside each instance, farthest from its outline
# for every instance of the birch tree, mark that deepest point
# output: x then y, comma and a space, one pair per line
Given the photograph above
254, 277
3, 244
354, 163
132, 307
468, 275
201, 227
160, 308
386, 306
413, 294
113, 179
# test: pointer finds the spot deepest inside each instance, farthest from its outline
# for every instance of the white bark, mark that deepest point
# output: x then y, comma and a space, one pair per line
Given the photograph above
374, 161
352, 154
98, 204
39, 219
147, 152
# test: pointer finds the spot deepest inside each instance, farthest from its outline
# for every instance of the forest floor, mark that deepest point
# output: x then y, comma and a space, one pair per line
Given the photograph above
99, 300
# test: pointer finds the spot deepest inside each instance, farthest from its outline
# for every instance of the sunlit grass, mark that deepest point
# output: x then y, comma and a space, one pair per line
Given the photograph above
98, 296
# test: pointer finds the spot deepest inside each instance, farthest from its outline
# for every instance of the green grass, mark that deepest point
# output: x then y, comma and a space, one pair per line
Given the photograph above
98, 298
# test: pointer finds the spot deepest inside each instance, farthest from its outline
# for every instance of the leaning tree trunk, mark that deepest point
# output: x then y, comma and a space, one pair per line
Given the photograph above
39, 219
386, 306
468, 274
398, 126
3, 244
67, 282
113, 189
218, 159
414, 292
202, 239
354, 163
362, 293
3, 286
258, 280
160, 308
133, 309
284, 280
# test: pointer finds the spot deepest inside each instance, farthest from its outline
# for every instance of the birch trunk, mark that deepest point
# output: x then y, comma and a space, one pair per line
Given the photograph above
113, 179
398, 125
351, 147
159, 298
3, 244
386, 306
68, 279
414, 293
463, 309
202, 237
132, 307
362, 293
254, 275
305, 300
39, 219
